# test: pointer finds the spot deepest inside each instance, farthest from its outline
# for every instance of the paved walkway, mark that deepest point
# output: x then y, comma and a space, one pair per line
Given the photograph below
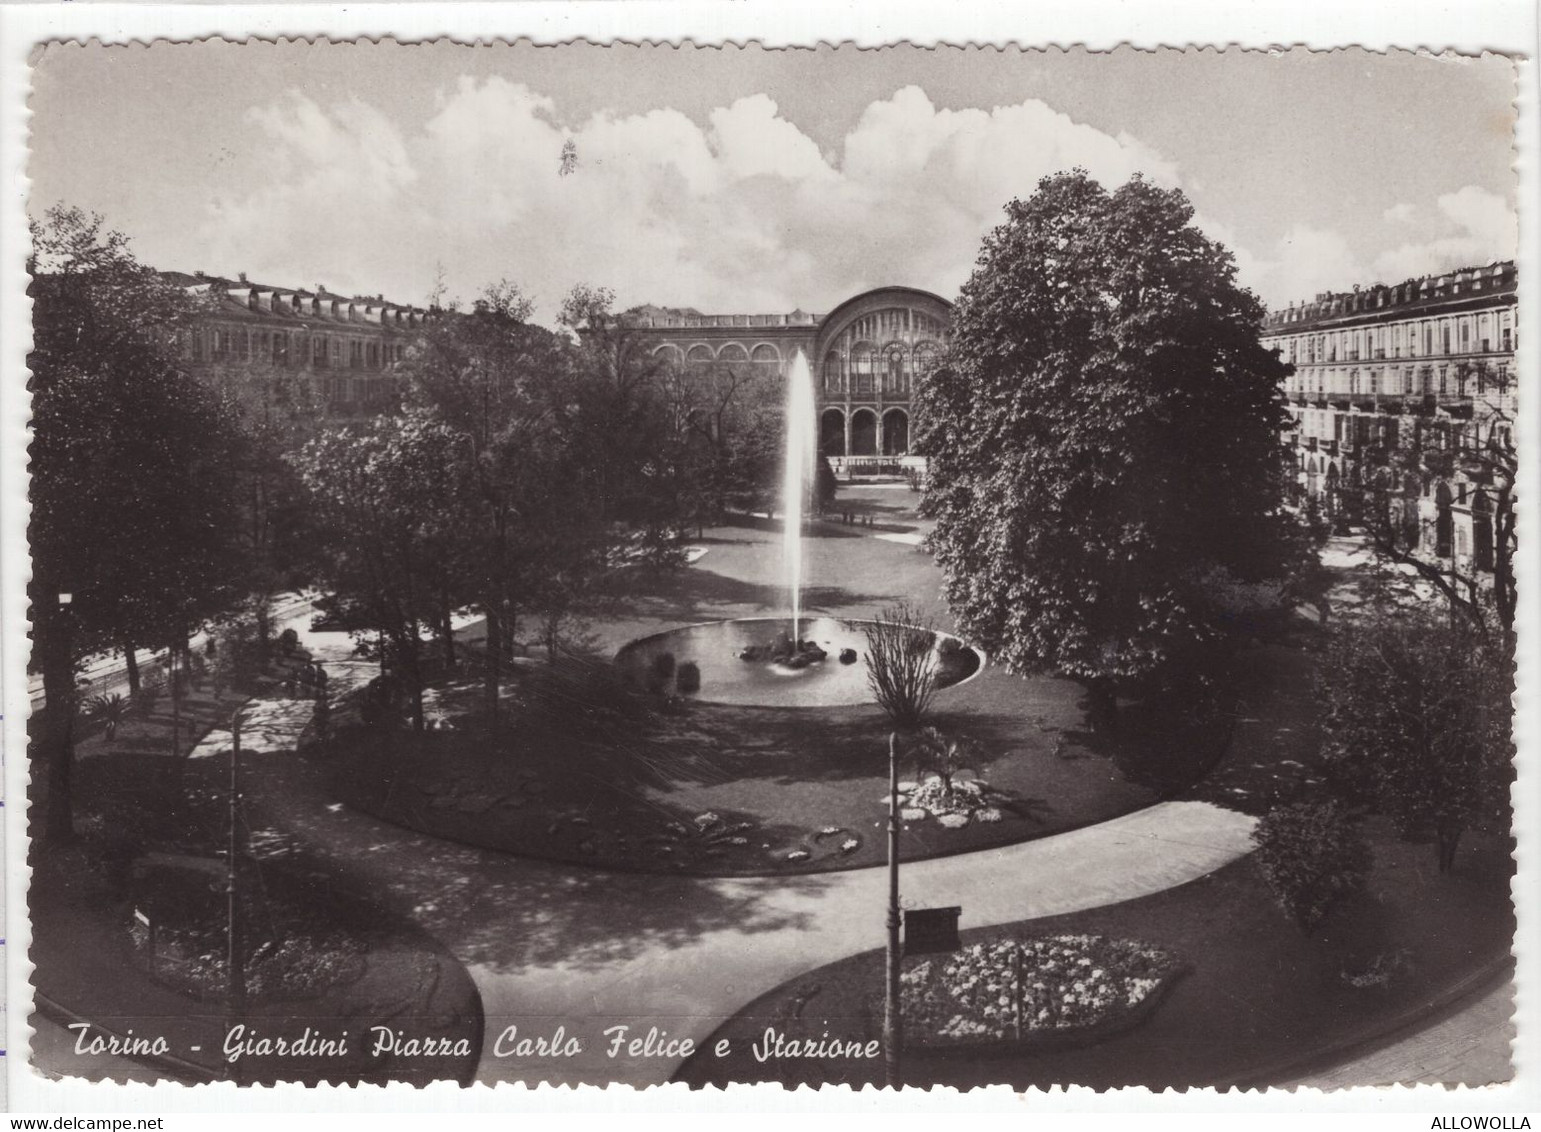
794, 924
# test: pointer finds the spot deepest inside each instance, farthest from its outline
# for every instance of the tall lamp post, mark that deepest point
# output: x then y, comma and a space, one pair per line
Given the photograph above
893, 1024
235, 1001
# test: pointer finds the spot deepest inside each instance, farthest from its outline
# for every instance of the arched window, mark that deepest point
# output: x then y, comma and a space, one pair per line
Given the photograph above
700, 355
927, 355
896, 433
1444, 521
864, 432
895, 375
669, 354
766, 359
832, 382
832, 432
1482, 530
732, 353
863, 363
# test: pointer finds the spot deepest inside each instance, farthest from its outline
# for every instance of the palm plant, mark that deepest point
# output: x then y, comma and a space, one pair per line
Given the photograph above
112, 709
942, 755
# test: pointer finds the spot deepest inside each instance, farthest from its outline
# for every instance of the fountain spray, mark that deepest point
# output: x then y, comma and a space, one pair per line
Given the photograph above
798, 473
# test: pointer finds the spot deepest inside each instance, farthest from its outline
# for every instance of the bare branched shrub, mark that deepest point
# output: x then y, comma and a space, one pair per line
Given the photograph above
901, 669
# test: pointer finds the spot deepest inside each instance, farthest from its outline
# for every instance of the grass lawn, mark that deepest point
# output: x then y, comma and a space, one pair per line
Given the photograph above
727, 790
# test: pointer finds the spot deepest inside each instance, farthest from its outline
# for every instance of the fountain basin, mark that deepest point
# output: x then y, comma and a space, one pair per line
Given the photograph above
736, 665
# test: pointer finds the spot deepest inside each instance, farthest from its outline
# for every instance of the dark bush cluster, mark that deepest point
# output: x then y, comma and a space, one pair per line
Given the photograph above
1311, 855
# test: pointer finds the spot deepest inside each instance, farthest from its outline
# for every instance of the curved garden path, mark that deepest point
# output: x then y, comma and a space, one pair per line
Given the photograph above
792, 925
553, 945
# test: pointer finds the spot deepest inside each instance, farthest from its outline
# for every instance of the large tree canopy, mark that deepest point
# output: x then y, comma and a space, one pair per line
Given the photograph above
133, 500
1104, 436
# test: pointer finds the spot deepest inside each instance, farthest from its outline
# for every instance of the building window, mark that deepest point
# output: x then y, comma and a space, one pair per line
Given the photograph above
894, 378
862, 364
318, 352
280, 349
832, 373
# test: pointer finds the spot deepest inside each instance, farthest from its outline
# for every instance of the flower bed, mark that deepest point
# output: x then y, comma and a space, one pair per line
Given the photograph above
953, 804
294, 946
1070, 986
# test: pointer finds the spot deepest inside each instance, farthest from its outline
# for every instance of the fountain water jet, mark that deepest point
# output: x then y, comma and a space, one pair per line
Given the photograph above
797, 475
754, 660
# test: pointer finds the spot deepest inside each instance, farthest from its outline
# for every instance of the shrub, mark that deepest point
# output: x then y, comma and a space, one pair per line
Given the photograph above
1311, 855
661, 673
237, 662
687, 680
1417, 723
288, 640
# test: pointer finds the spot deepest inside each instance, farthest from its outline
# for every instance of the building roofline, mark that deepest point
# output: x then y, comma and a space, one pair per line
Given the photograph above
830, 318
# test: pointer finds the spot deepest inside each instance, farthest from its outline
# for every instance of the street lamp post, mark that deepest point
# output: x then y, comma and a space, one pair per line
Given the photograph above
235, 1005
893, 1024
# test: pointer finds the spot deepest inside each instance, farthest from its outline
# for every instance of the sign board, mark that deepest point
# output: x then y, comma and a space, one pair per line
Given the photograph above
928, 930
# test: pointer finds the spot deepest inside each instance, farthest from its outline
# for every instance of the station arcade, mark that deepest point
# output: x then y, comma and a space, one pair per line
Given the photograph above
868, 356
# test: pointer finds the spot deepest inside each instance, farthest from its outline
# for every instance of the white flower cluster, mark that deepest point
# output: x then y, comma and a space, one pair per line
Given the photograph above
1009, 988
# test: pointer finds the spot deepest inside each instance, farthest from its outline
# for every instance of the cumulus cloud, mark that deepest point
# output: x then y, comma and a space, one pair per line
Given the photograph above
1468, 227
1480, 227
742, 211
1309, 261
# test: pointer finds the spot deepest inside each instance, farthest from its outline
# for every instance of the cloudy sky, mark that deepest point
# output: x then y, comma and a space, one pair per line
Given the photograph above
749, 180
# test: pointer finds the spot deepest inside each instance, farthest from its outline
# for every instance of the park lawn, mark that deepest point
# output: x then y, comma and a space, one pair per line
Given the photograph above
716, 790
1259, 1000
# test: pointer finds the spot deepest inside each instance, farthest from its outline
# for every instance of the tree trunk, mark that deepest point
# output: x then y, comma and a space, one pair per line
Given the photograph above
1103, 705
131, 666
59, 730
494, 668
447, 633
262, 614
414, 674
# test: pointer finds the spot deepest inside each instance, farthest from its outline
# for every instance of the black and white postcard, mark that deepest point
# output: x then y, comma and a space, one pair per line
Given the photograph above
630, 563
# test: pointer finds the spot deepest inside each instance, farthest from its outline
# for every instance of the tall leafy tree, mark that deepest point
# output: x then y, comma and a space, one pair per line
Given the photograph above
385, 496
1104, 438
529, 525
131, 491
